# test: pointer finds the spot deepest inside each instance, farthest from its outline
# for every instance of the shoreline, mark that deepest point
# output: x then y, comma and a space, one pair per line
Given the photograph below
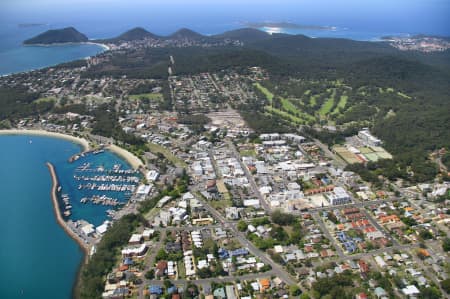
131, 159
103, 46
57, 211
80, 141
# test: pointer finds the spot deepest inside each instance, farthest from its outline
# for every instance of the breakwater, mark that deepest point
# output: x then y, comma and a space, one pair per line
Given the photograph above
57, 210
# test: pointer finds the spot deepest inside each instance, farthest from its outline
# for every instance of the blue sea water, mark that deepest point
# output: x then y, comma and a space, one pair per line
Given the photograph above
15, 57
38, 259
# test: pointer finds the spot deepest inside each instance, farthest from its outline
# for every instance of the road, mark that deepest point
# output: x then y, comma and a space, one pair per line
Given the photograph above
276, 268
379, 227
230, 278
249, 176
336, 246
148, 262
350, 205
341, 163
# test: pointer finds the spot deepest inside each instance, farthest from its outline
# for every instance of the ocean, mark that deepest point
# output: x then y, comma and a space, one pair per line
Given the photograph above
367, 20
38, 258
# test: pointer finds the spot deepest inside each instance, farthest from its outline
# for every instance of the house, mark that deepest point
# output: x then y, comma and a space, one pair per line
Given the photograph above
134, 251
264, 284
232, 213
230, 292
154, 289
363, 267
380, 292
410, 290
361, 296
152, 175
380, 262
161, 269
219, 293
148, 233
135, 239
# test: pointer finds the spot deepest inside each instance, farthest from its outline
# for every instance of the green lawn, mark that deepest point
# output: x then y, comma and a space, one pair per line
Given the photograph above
341, 104
221, 204
313, 100
326, 107
48, 99
265, 91
156, 148
181, 270
288, 106
286, 115
403, 95
150, 96
251, 153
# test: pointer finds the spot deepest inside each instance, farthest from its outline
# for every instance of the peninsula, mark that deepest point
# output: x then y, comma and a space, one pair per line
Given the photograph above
57, 36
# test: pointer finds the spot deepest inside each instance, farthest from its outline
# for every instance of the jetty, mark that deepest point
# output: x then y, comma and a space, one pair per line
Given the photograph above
57, 210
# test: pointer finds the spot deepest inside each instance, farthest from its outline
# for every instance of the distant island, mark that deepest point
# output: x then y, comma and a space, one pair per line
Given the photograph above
287, 25
26, 25
58, 36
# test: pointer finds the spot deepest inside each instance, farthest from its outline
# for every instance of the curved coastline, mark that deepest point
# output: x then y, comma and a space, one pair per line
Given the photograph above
134, 161
80, 141
103, 46
131, 159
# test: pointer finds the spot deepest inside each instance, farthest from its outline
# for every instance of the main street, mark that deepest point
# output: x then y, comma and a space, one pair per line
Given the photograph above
249, 176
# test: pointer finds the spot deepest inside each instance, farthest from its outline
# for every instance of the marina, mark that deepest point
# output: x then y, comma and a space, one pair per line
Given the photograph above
98, 185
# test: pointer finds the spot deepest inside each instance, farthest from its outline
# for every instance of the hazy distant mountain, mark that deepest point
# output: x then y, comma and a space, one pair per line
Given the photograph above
244, 35
65, 35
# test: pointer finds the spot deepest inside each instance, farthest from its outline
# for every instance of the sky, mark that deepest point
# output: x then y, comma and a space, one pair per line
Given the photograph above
416, 16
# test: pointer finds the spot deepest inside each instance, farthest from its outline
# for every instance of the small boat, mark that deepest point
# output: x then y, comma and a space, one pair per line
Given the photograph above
67, 213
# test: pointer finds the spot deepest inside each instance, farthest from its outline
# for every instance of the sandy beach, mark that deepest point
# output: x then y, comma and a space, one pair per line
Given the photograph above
81, 141
134, 161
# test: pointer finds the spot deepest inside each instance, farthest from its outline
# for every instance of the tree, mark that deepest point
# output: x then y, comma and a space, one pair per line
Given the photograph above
446, 244
150, 274
283, 219
430, 293
426, 235
445, 284
161, 255
242, 226
294, 290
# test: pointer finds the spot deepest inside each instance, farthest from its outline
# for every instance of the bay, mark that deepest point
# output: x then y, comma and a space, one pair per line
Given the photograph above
38, 258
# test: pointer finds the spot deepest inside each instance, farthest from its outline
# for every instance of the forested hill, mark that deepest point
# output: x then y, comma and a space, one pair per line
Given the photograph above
137, 33
65, 35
